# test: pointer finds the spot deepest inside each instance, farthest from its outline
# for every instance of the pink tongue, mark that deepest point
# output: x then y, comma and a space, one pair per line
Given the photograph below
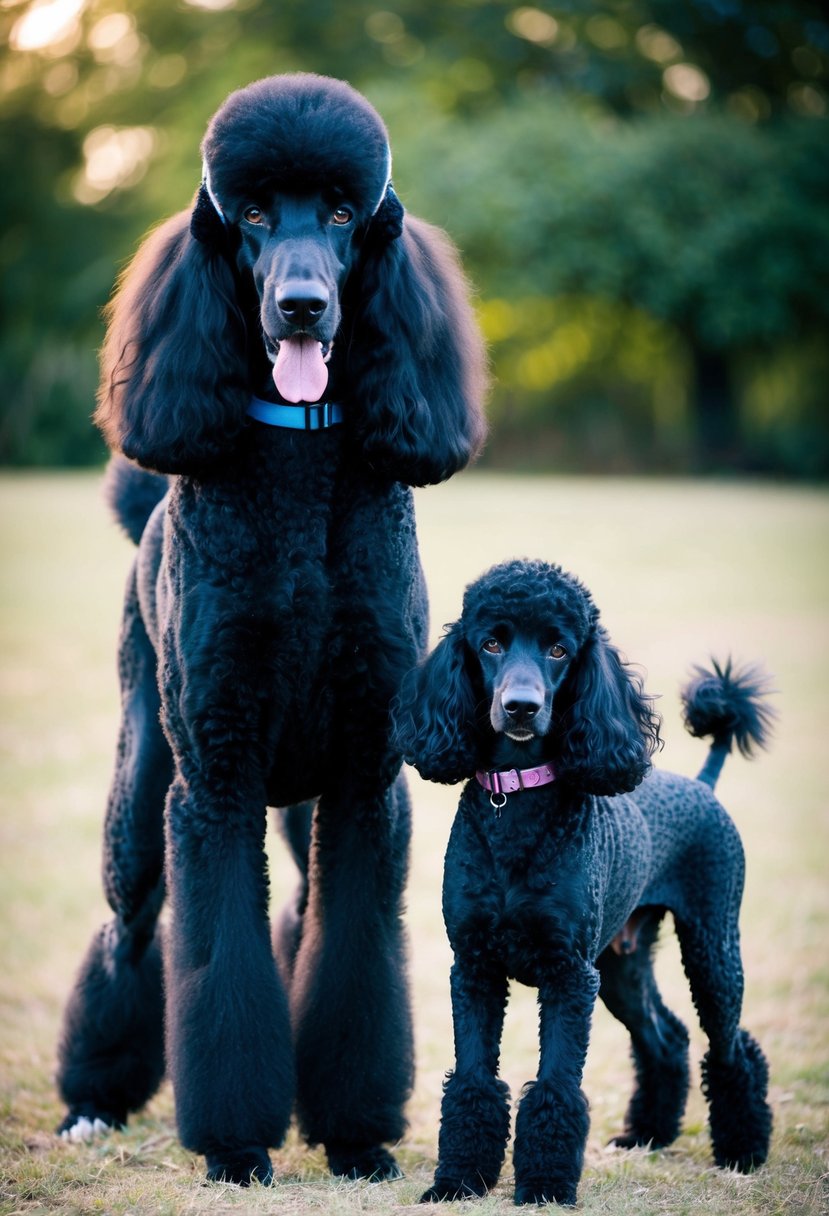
299, 372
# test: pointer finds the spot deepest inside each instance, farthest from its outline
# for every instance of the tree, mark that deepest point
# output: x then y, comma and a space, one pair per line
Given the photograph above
719, 229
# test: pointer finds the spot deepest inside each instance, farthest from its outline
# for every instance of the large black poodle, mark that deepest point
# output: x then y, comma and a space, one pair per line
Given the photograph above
558, 875
275, 604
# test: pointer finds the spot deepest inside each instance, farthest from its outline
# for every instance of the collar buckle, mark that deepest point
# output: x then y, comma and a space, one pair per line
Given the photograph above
317, 416
511, 780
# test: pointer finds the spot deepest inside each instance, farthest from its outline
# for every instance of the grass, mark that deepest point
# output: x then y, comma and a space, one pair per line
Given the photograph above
680, 570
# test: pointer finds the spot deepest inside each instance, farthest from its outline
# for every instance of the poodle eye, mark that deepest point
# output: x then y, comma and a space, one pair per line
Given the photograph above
557, 651
253, 215
342, 216
492, 646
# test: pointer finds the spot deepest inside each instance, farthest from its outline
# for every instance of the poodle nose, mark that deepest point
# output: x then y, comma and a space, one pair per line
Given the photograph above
521, 703
302, 303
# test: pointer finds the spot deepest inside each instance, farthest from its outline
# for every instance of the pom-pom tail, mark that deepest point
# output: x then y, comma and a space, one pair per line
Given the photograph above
728, 705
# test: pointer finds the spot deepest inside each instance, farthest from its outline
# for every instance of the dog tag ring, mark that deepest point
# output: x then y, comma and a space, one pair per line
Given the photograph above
497, 806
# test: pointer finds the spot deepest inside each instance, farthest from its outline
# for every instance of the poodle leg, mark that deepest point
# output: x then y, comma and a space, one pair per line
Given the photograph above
735, 1073
552, 1122
228, 1032
349, 998
111, 1054
659, 1042
474, 1120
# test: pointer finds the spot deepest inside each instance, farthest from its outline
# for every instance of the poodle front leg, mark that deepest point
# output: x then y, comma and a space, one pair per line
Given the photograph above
349, 996
552, 1122
474, 1121
228, 1032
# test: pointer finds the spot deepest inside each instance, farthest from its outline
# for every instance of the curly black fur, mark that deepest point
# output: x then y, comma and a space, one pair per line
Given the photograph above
726, 704
132, 495
275, 604
605, 726
563, 887
740, 1118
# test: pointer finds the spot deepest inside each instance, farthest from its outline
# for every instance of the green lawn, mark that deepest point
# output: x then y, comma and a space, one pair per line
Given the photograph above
680, 570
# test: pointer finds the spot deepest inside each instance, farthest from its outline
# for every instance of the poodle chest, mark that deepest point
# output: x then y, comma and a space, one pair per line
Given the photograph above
534, 887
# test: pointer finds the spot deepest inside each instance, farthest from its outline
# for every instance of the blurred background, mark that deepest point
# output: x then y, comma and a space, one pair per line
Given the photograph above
640, 190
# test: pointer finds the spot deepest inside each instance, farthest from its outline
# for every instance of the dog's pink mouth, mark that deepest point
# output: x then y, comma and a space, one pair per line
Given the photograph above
299, 372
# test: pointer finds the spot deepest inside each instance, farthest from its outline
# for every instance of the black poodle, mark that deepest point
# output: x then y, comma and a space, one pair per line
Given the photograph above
275, 604
558, 876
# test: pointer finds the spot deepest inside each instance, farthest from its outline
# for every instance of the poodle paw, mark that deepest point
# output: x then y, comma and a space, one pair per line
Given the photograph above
242, 1166
83, 1124
540, 1191
741, 1119
633, 1140
743, 1161
374, 1163
448, 1190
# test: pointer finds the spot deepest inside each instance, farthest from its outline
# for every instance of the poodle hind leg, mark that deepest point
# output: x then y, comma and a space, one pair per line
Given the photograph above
659, 1041
741, 1118
734, 1071
111, 1053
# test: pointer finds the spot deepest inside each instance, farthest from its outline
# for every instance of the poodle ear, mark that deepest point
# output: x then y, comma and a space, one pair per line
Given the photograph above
416, 358
608, 731
173, 388
434, 714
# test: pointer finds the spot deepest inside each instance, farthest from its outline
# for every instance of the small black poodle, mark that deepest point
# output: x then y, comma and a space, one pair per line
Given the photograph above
296, 353
558, 875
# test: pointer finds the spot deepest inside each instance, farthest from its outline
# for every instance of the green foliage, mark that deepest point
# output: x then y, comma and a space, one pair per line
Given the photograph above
615, 257
632, 186
718, 228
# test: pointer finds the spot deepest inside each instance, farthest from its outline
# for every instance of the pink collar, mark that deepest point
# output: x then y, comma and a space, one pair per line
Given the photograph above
513, 779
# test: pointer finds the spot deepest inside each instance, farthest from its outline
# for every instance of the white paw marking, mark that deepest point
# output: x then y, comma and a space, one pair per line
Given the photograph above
85, 1130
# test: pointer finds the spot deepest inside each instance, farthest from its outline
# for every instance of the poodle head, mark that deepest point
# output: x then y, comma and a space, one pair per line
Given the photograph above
296, 274
528, 675
297, 133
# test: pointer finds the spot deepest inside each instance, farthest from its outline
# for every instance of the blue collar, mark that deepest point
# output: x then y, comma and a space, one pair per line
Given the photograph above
302, 417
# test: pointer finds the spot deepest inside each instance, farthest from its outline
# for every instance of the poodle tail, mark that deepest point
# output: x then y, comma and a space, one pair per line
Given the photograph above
728, 705
132, 494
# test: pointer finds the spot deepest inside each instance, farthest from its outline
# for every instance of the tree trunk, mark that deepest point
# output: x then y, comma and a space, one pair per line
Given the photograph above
716, 416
